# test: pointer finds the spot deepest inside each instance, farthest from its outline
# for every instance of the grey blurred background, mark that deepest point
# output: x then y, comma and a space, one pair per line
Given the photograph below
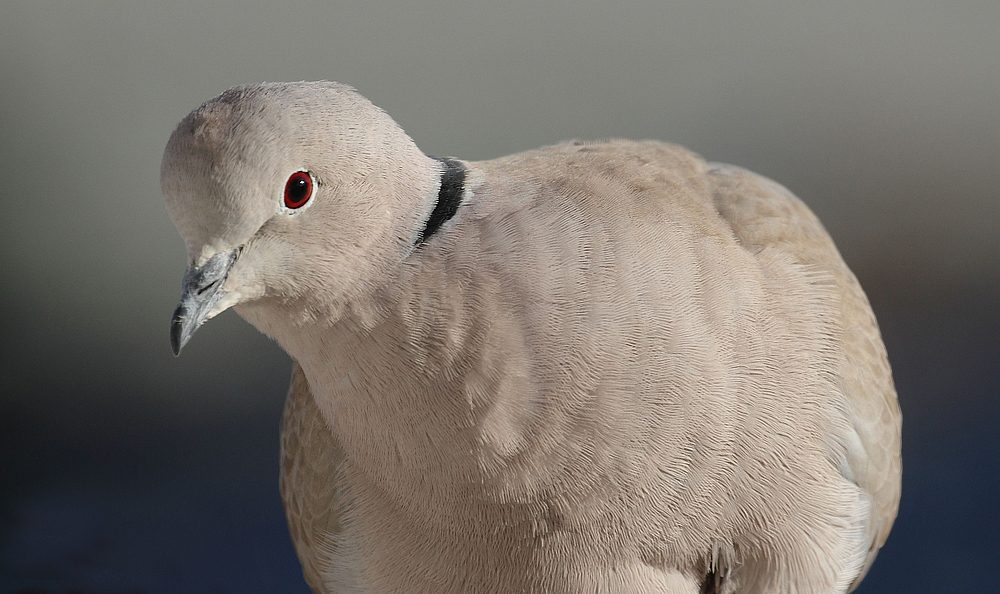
123, 469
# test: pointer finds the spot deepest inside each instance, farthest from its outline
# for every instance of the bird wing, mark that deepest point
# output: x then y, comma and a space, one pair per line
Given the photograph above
310, 460
764, 214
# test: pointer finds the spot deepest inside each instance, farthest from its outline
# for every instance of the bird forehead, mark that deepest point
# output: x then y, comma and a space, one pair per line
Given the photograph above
220, 132
220, 183
277, 126
211, 124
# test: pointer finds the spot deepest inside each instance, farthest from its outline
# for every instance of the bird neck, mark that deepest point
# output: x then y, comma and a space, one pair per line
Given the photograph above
410, 383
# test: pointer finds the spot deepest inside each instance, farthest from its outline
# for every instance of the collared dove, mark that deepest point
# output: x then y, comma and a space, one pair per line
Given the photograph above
592, 367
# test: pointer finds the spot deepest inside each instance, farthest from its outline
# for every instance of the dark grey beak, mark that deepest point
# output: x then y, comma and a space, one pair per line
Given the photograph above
202, 290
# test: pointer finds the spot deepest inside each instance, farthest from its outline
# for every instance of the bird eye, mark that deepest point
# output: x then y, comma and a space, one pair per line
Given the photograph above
298, 189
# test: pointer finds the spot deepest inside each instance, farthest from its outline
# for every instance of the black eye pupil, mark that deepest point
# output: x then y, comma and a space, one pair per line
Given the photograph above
298, 189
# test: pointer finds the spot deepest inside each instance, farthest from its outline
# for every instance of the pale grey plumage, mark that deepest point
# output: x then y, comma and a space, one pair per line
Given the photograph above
618, 368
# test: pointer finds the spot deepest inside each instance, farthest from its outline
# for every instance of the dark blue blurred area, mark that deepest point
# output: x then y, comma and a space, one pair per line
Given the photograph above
129, 501
946, 362
124, 470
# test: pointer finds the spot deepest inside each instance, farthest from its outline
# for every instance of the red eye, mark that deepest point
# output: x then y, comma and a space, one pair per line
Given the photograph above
298, 189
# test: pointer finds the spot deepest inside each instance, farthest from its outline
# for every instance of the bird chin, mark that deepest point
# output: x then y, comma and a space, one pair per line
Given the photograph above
229, 299
266, 317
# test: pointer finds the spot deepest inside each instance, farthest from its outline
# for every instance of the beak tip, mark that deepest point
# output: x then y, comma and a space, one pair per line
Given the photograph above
177, 338
201, 291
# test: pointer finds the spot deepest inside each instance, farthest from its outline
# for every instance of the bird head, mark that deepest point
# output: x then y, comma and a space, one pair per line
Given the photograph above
294, 200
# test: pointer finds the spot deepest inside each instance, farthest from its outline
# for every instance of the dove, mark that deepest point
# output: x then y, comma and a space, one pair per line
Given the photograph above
604, 367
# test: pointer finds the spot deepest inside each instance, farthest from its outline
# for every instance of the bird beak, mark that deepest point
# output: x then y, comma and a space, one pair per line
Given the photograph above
202, 291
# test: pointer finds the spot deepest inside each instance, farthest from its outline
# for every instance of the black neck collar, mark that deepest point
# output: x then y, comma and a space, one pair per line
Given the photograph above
449, 197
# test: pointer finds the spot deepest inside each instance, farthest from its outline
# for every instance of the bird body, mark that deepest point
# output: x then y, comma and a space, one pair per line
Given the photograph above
608, 367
